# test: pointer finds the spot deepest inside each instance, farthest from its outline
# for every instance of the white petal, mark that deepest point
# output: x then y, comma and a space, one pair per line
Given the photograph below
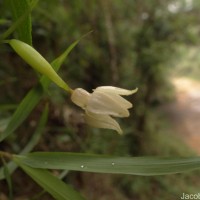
80, 97
102, 103
116, 90
102, 121
123, 102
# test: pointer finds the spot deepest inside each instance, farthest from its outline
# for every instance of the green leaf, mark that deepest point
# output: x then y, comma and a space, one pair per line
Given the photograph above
18, 21
3, 123
38, 132
22, 111
33, 97
8, 179
110, 164
7, 107
54, 186
32, 142
24, 29
45, 81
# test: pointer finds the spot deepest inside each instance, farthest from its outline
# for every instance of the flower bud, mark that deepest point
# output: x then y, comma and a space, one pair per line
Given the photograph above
35, 60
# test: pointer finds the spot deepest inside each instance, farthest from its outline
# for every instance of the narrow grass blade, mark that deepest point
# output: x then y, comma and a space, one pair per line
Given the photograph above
40, 194
8, 179
19, 21
53, 185
38, 132
4, 123
32, 142
7, 107
45, 81
110, 164
24, 29
22, 111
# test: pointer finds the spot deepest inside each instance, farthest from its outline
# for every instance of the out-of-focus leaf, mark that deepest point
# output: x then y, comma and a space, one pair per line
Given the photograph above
3, 123
32, 142
53, 185
38, 132
8, 179
110, 164
24, 29
19, 21
23, 110
7, 107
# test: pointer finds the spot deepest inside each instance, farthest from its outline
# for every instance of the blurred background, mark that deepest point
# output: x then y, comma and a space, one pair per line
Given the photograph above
152, 45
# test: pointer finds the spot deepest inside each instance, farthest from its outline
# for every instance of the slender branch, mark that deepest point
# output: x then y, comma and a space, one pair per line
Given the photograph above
6, 155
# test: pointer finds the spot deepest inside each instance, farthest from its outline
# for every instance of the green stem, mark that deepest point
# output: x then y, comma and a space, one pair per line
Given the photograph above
6, 155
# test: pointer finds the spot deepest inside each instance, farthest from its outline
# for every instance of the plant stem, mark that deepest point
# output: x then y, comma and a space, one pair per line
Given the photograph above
6, 155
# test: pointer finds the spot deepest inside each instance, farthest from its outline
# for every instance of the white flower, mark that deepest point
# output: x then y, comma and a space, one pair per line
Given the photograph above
103, 103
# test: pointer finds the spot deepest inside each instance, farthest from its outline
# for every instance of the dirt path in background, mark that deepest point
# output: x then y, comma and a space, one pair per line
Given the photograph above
185, 112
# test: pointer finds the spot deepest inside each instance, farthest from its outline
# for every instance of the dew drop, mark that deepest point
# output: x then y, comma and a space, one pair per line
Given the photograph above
113, 163
82, 166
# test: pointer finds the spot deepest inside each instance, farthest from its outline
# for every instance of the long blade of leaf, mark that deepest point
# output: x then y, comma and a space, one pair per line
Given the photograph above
45, 81
110, 164
22, 111
19, 21
32, 142
53, 185
8, 179
24, 29
59, 61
